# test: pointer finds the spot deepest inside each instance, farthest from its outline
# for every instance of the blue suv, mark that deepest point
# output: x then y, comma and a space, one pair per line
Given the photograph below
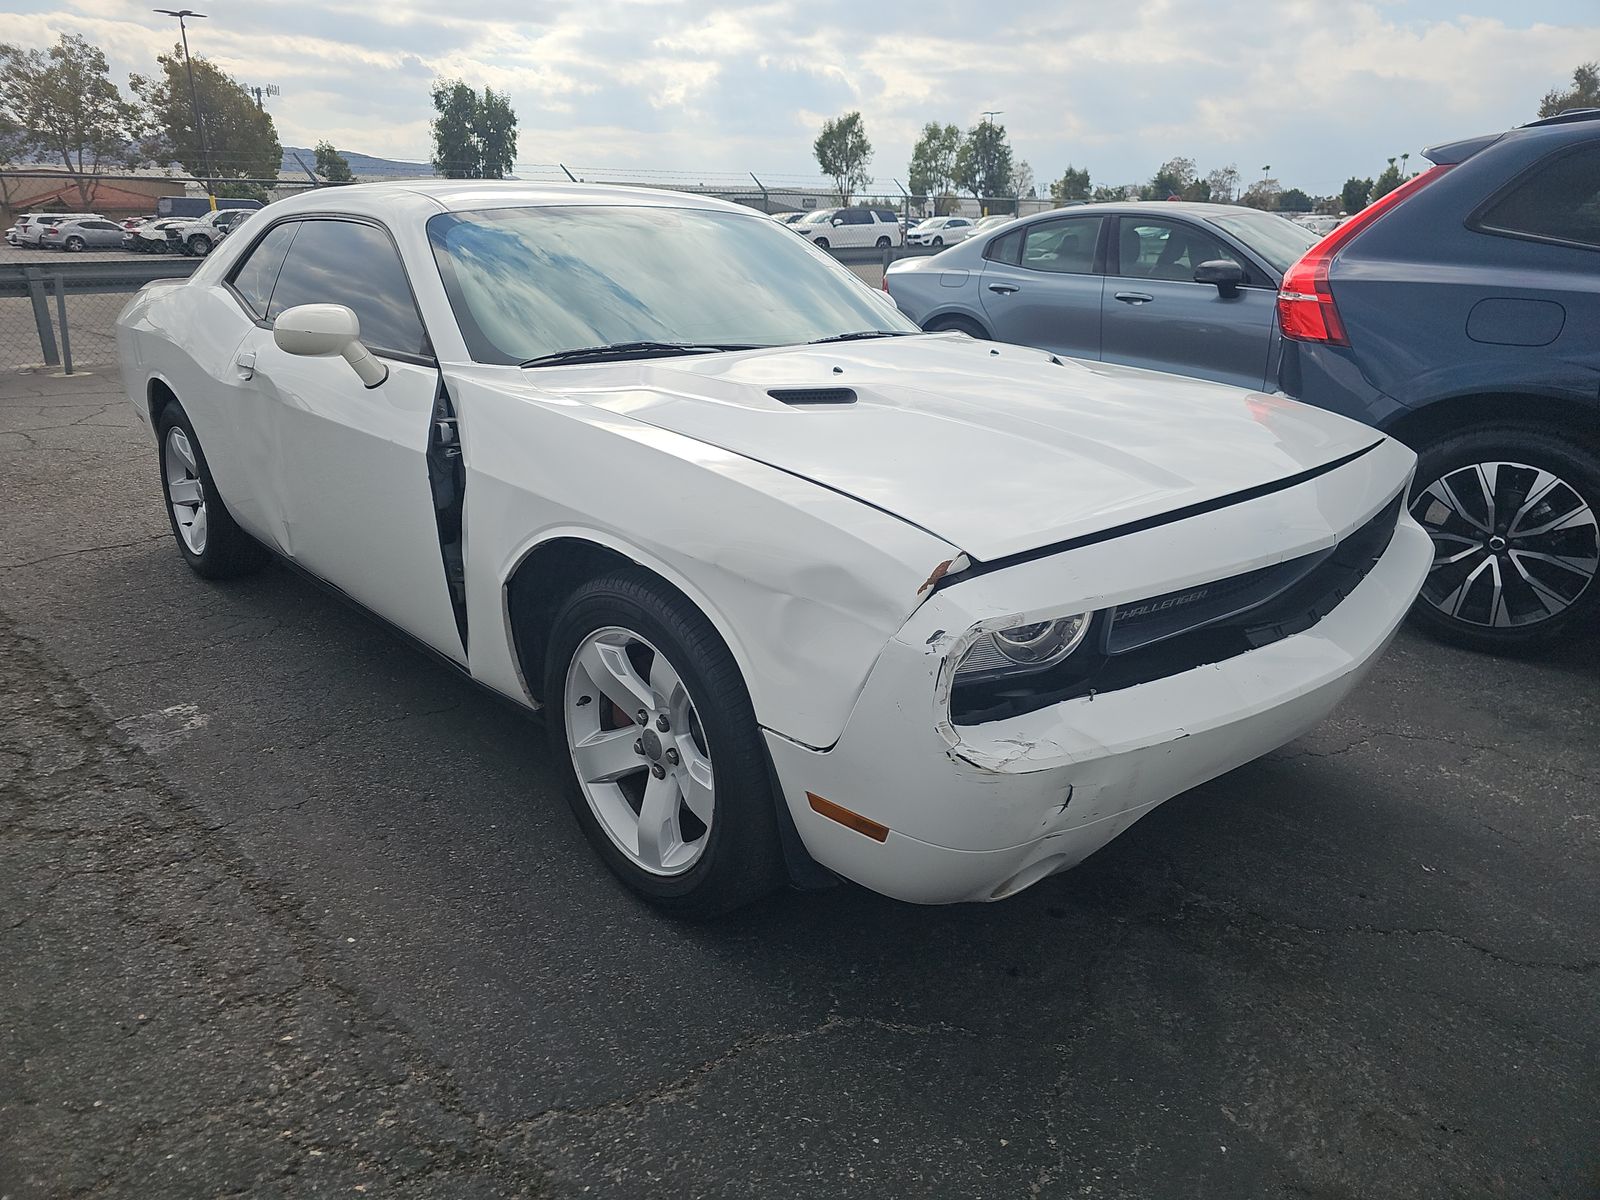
1461, 314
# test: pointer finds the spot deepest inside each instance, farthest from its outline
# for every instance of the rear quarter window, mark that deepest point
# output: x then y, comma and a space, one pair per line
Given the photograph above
1557, 201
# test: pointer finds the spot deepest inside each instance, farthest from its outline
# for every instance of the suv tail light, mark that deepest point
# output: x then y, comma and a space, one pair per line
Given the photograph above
1306, 311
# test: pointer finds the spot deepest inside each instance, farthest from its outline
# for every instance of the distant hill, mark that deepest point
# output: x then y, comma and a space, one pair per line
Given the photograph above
363, 166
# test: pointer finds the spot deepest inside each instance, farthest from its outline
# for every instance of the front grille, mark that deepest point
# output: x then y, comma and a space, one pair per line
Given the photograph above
1165, 635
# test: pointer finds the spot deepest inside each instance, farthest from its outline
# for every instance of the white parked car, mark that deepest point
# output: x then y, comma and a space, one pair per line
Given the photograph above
150, 237
850, 227
32, 233
941, 231
801, 589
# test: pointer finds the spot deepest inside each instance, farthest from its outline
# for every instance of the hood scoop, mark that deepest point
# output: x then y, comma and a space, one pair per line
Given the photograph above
812, 397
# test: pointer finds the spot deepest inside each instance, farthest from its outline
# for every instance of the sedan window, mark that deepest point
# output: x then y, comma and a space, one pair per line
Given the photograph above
529, 282
1169, 250
1064, 247
342, 262
1276, 239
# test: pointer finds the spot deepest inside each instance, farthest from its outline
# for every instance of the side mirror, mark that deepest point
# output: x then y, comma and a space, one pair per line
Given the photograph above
838, 221
1225, 273
324, 330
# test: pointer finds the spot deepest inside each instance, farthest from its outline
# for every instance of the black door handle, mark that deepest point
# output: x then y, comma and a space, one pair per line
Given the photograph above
1135, 297
1004, 289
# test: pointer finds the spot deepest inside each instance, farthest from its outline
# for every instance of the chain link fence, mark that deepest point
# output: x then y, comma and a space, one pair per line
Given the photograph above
61, 317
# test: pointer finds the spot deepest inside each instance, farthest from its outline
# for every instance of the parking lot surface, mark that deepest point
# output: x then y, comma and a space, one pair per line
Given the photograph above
288, 909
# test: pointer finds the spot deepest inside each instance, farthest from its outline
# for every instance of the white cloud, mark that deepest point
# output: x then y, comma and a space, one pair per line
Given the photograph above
1319, 88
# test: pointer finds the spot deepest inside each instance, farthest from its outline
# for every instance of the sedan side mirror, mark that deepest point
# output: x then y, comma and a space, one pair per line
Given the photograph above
838, 221
324, 330
1224, 272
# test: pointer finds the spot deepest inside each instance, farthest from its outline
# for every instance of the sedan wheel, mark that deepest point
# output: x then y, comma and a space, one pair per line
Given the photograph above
211, 543
938, 241
186, 494
1516, 542
644, 768
199, 245
75, 244
668, 772
822, 243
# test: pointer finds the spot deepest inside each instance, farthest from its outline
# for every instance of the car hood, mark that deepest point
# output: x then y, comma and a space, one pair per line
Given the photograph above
994, 448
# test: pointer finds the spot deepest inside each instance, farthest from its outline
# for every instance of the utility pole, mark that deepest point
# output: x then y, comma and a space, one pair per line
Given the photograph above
194, 97
270, 89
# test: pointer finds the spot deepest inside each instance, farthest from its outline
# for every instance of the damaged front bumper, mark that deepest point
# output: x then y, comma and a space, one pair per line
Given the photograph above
980, 812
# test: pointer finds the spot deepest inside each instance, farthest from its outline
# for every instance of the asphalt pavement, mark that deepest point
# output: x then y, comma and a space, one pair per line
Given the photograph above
288, 909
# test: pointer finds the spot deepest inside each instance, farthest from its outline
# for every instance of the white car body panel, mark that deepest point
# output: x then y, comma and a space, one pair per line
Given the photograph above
815, 540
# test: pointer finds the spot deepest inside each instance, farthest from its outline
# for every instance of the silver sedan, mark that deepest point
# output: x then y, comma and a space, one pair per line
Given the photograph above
81, 233
1187, 288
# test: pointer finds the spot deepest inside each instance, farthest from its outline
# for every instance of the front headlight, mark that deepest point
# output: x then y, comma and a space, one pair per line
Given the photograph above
1022, 649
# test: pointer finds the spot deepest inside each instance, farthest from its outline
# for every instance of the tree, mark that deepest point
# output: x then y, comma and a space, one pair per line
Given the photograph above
65, 101
843, 152
1263, 194
474, 137
1584, 92
1354, 194
332, 165
1388, 179
15, 142
1073, 185
1023, 181
240, 141
1175, 175
984, 165
1294, 200
933, 160
1224, 184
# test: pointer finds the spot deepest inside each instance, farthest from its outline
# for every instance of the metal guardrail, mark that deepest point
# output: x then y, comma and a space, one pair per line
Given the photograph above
37, 284
59, 280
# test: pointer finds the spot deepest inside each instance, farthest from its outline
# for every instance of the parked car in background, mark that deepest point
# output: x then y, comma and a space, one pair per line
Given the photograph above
992, 221
788, 218
1461, 313
131, 223
77, 234
198, 206
1188, 288
941, 231
848, 227
32, 233
200, 236
151, 236
942, 637
1320, 225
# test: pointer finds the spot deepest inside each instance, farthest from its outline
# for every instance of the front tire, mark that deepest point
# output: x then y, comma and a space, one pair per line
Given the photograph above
209, 540
822, 243
938, 241
1513, 517
693, 838
199, 245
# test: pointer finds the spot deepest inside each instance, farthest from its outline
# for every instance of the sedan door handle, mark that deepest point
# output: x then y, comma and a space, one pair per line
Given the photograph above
1135, 297
246, 363
1004, 289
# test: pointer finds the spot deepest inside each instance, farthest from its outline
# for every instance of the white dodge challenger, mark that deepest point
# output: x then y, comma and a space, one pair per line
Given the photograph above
801, 589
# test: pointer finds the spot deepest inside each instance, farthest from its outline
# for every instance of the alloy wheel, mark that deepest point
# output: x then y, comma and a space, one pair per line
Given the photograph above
186, 494
1513, 544
639, 751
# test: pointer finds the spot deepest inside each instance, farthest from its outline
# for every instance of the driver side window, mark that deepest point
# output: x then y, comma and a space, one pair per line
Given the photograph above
344, 262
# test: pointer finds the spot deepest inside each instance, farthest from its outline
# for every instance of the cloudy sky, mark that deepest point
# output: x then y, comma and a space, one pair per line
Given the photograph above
1318, 89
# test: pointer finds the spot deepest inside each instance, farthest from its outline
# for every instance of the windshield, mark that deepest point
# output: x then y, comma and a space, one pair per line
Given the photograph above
1277, 239
817, 218
530, 282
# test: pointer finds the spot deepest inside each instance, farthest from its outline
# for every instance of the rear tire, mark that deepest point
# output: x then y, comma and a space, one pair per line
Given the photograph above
75, 245
219, 549
199, 245
1512, 513
883, 243
717, 848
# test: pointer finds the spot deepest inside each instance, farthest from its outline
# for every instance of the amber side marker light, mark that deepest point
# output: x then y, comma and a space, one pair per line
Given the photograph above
850, 820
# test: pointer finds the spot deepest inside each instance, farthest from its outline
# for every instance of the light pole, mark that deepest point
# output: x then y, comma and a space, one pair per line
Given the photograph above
194, 97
